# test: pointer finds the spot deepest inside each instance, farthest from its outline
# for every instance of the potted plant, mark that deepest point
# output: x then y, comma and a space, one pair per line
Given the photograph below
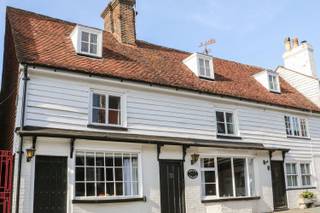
306, 200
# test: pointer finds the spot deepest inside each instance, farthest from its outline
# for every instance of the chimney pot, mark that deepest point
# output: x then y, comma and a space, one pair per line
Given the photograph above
287, 43
295, 42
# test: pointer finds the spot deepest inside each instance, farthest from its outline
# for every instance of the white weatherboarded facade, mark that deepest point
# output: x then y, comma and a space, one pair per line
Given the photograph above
62, 100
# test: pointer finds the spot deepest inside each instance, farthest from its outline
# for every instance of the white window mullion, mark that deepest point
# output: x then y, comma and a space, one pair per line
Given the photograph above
233, 179
94, 173
225, 123
107, 109
217, 178
85, 173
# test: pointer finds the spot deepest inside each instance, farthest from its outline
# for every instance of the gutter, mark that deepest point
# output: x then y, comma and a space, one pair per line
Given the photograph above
20, 152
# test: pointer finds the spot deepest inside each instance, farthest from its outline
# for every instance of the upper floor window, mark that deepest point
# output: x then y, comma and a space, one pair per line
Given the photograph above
106, 109
107, 174
226, 123
273, 80
296, 126
204, 67
227, 177
87, 41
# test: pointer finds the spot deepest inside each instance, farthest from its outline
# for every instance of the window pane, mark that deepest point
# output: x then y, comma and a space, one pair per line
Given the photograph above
240, 176
99, 159
119, 189
251, 177
270, 82
303, 128
207, 64
127, 188
135, 174
93, 38
109, 174
114, 102
80, 159
118, 160
288, 125
230, 129
110, 189
114, 117
109, 159
210, 189
90, 189
207, 162
221, 128
93, 48
85, 36
229, 117
118, 174
220, 116
296, 129
90, 159
84, 47
99, 100
201, 64
99, 116
209, 176
134, 161
79, 174
89, 174
225, 177
135, 188
80, 190
100, 174
101, 189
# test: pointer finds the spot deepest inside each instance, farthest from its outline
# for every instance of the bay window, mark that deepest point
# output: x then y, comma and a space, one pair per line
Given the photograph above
224, 177
106, 109
106, 175
296, 126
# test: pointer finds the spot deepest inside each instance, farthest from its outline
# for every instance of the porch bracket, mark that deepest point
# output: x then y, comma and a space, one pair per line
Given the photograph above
34, 142
159, 145
72, 147
184, 151
284, 154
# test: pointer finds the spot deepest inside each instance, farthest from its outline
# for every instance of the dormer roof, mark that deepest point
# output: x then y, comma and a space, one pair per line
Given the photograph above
45, 41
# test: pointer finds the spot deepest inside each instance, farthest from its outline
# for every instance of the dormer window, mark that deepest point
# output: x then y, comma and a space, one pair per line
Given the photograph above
269, 79
273, 82
87, 41
201, 65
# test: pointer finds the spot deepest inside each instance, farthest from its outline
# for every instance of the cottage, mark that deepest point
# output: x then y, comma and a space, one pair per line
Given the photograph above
100, 121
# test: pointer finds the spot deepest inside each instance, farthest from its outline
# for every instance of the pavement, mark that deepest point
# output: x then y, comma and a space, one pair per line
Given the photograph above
311, 210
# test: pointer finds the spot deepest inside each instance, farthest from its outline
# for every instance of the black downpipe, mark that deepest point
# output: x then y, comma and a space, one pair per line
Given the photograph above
20, 153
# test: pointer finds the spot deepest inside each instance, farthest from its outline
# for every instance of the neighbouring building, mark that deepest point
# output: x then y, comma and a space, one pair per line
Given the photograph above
100, 121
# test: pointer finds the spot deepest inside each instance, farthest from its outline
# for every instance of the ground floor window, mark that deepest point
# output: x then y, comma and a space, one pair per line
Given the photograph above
106, 174
227, 177
298, 174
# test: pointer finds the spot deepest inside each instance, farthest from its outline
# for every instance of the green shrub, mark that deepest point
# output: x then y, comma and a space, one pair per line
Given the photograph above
307, 195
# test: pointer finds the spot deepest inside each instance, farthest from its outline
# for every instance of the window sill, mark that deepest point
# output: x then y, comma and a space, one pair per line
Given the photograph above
118, 128
296, 137
90, 55
230, 199
229, 137
301, 188
115, 200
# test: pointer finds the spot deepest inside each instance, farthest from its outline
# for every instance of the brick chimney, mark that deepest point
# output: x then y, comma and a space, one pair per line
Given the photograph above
119, 19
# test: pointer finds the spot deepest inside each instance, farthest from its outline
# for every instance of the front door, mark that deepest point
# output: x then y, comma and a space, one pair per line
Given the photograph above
50, 186
278, 185
172, 186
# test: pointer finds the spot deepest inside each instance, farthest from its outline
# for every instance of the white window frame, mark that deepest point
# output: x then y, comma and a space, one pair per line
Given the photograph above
307, 174
276, 83
123, 106
292, 126
217, 196
140, 172
234, 120
89, 43
205, 58
292, 174
299, 174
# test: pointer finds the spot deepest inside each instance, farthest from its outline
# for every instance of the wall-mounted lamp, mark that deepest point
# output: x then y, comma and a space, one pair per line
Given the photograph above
30, 154
265, 162
194, 158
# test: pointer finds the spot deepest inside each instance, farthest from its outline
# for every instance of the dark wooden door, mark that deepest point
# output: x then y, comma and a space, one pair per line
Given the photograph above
172, 186
50, 186
278, 185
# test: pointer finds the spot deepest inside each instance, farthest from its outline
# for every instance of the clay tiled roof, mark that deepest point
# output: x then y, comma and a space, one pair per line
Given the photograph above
46, 41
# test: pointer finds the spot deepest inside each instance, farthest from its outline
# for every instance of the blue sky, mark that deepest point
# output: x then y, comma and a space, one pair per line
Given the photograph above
247, 31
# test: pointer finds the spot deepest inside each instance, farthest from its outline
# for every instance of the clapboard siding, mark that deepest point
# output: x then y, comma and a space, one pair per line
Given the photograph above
58, 102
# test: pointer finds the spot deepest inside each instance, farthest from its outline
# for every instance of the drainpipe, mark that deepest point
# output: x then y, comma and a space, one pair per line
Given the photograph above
20, 152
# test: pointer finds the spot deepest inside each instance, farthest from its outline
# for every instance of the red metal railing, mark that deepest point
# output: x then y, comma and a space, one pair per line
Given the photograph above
6, 169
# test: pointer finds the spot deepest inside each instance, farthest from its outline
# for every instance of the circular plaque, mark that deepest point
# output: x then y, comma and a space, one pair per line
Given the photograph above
192, 173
